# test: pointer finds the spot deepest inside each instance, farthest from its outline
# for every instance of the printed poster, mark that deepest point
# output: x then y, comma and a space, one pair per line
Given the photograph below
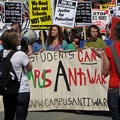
83, 14
65, 13
13, 12
40, 14
101, 19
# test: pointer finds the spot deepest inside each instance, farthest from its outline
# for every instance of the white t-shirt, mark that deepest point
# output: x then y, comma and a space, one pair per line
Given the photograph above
18, 60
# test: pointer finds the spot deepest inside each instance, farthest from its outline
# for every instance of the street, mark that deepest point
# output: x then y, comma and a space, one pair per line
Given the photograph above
64, 115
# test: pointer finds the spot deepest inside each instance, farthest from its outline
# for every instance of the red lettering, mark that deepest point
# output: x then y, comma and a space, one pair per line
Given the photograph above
79, 56
103, 79
48, 81
36, 76
74, 75
86, 56
96, 78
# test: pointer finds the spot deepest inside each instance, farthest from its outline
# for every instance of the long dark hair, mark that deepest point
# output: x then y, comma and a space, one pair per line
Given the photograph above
39, 41
51, 38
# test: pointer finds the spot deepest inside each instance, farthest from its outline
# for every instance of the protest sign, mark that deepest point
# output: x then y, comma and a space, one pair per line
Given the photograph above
40, 14
101, 19
13, 12
83, 14
65, 13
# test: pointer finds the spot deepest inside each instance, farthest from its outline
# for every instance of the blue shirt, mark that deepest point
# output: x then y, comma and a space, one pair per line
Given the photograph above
1, 47
64, 46
36, 47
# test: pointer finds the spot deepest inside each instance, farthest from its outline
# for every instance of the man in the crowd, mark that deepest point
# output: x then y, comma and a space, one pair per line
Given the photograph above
94, 40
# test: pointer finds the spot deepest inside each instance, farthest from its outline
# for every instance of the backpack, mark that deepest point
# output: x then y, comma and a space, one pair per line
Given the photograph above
9, 83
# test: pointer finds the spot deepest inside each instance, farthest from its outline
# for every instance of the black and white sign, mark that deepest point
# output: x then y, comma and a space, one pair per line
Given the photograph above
83, 13
13, 12
65, 13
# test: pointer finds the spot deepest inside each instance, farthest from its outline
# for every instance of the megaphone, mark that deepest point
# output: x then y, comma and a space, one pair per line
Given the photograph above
2, 30
29, 35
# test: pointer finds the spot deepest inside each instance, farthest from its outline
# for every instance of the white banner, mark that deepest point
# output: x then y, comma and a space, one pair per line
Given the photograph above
67, 80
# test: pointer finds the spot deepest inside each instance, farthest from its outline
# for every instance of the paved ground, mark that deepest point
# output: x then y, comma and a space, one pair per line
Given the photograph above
64, 115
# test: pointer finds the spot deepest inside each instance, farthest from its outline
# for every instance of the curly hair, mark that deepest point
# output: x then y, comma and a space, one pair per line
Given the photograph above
51, 38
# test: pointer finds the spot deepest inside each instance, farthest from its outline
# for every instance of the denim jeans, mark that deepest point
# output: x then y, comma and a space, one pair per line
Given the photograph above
114, 103
10, 104
16, 106
23, 100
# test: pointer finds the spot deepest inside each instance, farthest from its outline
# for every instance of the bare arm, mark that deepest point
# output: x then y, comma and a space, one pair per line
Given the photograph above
30, 51
105, 64
29, 66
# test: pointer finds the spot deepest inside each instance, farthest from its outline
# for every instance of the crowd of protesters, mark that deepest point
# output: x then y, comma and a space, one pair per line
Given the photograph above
67, 39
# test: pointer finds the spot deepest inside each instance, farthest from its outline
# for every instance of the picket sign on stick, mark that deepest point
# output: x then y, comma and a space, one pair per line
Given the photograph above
84, 31
63, 29
42, 38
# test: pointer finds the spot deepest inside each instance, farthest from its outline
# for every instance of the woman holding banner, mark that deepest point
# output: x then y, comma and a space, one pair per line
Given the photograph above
109, 68
55, 39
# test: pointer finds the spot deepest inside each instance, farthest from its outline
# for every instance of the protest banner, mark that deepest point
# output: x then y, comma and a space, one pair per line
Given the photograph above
67, 80
65, 13
13, 12
83, 14
101, 19
40, 14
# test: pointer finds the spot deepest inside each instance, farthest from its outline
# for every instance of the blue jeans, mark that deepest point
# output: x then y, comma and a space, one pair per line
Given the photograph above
114, 103
23, 100
16, 105
10, 104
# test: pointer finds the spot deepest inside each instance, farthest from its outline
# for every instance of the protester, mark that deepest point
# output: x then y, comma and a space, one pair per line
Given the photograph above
66, 35
17, 28
71, 35
75, 43
38, 44
109, 68
55, 39
16, 106
94, 40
